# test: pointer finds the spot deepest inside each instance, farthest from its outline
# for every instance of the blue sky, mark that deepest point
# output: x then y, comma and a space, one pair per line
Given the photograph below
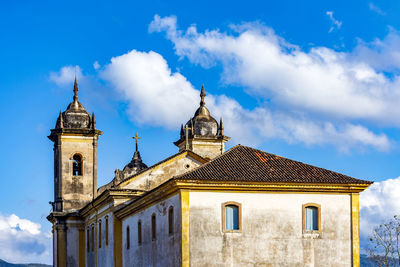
315, 81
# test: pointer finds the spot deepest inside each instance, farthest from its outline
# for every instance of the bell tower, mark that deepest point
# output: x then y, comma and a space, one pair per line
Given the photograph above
202, 134
75, 157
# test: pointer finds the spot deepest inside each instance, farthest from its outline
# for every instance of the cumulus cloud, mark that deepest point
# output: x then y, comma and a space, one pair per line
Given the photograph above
379, 203
382, 55
319, 81
336, 24
65, 76
22, 241
157, 96
96, 65
376, 9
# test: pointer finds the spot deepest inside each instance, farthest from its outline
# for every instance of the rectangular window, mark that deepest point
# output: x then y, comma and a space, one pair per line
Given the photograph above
311, 217
128, 238
171, 220
88, 239
100, 234
139, 230
92, 237
153, 227
231, 217
106, 230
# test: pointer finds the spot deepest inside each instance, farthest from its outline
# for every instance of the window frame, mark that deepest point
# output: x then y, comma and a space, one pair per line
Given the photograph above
239, 206
171, 220
99, 233
106, 227
88, 239
315, 205
153, 227
92, 245
128, 237
139, 229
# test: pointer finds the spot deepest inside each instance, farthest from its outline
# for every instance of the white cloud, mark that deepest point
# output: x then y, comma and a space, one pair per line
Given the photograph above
66, 75
321, 82
335, 23
21, 241
159, 97
380, 202
96, 65
376, 9
382, 55
156, 96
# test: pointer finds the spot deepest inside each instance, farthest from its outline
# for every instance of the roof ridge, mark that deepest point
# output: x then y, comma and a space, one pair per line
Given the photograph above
252, 164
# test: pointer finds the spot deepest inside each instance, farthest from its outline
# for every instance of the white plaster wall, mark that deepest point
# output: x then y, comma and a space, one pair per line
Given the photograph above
159, 174
165, 250
105, 256
72, 246
91, 253
271, 231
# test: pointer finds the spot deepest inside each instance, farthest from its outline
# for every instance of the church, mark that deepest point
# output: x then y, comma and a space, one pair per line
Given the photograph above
202, 206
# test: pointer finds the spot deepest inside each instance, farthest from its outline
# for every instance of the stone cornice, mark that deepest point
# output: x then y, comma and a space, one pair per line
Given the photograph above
173, 186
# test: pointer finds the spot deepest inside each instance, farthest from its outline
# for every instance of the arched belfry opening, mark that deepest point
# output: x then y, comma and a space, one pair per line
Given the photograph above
77, 165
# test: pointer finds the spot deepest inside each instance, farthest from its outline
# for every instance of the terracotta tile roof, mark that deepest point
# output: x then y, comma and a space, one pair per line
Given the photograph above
243, 163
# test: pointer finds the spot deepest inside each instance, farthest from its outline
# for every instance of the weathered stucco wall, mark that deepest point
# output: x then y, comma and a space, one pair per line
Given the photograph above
271, 231
90, 248
105, 253
76, 191
165, 249
161, 173
55, 254
208, 149
72, 245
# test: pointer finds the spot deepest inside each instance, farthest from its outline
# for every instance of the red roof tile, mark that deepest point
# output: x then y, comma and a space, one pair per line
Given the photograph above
243, 163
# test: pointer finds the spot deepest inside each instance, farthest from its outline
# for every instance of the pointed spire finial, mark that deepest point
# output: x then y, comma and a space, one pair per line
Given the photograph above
93, 121
187, 136
75, 88
221, 127
137, 138
61, 120
202, 95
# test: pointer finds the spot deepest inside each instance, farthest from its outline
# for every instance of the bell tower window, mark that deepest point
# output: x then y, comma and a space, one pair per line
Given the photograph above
76, 165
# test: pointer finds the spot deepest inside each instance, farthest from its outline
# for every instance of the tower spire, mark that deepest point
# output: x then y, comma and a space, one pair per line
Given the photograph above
61, 120
93, 121
202, 95
75, 89
221, 127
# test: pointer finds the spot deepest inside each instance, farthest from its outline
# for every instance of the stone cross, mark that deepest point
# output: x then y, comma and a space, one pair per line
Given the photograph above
137, 138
